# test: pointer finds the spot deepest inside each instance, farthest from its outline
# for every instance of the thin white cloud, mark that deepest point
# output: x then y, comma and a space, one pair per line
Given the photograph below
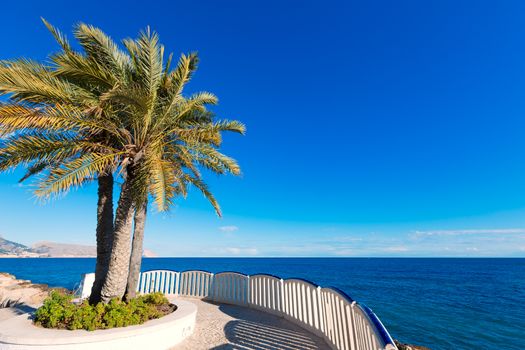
396, 249
241, 251
344, 239
228, 229
469, 232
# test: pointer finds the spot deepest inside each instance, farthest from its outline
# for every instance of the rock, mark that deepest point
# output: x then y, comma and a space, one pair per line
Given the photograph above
15, 292
402, 346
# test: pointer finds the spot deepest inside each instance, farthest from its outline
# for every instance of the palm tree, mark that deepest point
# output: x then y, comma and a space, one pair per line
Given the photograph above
74, 79
169, 137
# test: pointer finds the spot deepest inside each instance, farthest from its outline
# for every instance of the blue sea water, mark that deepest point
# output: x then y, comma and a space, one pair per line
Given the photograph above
440, 303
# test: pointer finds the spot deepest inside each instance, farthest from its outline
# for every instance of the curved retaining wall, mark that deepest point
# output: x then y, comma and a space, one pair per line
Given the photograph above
327, 312
19, 333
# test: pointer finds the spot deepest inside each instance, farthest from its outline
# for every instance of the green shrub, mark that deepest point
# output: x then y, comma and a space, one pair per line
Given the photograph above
60, 312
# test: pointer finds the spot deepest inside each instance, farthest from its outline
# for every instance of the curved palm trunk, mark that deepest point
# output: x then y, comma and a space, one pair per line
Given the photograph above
115, 283
104, 234
136, 250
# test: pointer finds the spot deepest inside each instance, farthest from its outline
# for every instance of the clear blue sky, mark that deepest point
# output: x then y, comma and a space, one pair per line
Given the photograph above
375, 128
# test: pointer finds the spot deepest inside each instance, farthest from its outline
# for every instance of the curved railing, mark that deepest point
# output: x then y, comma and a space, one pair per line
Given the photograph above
327, 312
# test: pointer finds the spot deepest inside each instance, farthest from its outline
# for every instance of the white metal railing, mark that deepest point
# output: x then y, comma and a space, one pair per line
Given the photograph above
195, 284
327, 312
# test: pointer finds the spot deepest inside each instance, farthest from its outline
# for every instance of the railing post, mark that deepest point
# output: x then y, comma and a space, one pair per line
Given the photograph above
86, 284
357, 340
212, 287
177, 281
320, 311
283, 307
248, 290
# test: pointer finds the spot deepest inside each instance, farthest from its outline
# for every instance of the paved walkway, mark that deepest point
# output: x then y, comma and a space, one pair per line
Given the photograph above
7, 313
228, 327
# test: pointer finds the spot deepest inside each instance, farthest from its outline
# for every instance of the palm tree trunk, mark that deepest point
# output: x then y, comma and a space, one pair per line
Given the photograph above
136, 250
104, 234
115, 283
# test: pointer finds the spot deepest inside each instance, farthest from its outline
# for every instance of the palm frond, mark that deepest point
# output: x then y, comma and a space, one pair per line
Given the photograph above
199, 100
75, 172
82, 71
179, 154
58, 35
33, 82
102, 49
44, 147
129, 96
182, 74
35, 169
201, 185
163, 180
214, 160
60, 118
229, 125
207, 133
149, 63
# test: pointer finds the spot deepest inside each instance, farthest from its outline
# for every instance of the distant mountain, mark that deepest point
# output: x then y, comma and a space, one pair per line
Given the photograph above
50, 249
12, 248
149, 254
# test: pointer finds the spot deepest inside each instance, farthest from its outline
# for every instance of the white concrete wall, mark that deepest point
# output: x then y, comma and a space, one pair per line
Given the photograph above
19, 333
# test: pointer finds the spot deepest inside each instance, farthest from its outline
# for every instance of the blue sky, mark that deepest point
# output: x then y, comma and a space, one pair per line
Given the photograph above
375, 128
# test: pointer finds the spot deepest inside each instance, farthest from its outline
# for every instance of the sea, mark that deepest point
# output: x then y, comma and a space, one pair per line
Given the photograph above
441, 303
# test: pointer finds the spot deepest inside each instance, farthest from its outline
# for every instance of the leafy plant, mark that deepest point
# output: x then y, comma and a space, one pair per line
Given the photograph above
60, 312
